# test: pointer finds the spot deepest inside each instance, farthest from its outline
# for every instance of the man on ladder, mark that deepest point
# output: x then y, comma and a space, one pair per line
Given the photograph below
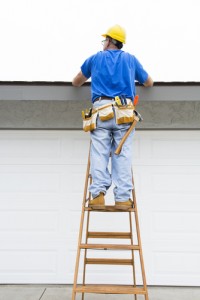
113, 73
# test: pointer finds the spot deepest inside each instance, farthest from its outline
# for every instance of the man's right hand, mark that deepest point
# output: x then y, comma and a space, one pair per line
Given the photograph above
148, 82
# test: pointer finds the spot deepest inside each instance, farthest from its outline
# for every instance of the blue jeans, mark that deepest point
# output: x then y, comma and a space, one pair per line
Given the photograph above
104, 141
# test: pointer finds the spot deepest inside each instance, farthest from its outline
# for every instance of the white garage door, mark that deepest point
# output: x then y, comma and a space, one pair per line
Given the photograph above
41, 187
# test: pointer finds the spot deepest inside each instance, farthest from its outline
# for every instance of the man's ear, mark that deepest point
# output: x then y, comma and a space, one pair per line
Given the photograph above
108, 44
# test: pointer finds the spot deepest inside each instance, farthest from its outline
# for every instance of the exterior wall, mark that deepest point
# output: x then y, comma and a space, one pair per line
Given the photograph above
42, 169
59, 106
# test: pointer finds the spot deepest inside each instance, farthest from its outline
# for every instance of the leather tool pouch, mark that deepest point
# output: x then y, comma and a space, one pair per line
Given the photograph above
89, 124
106, 112
124, 114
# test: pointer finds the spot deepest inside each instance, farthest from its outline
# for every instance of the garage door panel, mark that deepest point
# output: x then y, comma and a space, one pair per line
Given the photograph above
26, 182
170, 201
28, 261
76, 149
176, 149
168, 180
28, 220
74, 179
176, 180
73, 222
24, 265
168, 148
39, 147
42, 179
55, 147
174, 270
32, 202
42, 175
176, 262
168, 221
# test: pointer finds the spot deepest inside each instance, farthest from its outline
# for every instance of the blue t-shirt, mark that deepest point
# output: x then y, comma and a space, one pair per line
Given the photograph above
113, 73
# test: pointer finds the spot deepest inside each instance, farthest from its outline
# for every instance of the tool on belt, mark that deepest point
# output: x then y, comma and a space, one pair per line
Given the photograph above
87, 113
137, 118
120, 100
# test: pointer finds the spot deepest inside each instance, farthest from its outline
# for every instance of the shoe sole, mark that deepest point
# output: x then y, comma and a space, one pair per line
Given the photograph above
123, 207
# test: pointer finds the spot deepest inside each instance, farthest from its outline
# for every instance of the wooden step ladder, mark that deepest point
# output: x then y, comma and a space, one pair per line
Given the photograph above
84, 246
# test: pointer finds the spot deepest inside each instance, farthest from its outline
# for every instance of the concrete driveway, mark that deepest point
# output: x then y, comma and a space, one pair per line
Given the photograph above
64, 292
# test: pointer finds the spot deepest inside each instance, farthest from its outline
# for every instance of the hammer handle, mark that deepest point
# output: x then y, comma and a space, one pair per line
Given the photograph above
118, 150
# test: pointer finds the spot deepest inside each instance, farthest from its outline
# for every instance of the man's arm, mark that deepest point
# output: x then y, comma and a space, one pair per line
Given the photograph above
148, 82
79, 79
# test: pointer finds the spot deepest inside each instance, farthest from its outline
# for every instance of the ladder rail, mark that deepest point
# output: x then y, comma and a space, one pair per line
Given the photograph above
132, 253
81, 230
139, 240
87, 228
85, 250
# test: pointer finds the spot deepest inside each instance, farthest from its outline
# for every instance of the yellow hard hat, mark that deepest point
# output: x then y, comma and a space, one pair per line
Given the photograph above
116, 32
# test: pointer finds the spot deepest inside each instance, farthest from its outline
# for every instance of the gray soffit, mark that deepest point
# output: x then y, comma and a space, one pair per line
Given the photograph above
65, 91
58, 105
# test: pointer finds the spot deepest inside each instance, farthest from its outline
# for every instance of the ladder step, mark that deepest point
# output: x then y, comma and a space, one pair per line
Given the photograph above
109, 289
108, 208
109, 235
108, 261
110, 246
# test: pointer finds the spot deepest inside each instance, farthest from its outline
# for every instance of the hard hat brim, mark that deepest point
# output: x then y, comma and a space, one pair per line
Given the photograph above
105, 35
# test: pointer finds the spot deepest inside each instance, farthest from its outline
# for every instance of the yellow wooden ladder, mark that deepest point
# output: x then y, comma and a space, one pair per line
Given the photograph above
84, 231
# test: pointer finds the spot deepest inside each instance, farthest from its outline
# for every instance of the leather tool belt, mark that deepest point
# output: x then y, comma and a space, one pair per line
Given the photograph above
122, 113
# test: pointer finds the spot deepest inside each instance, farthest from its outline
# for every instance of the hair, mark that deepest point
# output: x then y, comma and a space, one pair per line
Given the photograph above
118, 44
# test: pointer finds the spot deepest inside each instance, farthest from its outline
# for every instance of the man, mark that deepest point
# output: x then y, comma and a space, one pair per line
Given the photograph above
113, 73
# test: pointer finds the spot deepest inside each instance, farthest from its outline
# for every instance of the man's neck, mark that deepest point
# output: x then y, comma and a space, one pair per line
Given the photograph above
112, 47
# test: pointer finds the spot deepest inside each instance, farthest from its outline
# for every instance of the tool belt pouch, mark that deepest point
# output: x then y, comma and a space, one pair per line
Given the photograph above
124, 114
89, 124
106, 112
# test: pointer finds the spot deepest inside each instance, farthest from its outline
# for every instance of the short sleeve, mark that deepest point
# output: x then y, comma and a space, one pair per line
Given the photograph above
87, 67
140, 74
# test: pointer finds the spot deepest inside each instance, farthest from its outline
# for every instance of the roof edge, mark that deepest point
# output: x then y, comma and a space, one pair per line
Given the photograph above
68, 83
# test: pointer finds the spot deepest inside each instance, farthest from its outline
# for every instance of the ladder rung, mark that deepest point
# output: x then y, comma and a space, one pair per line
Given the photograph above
110, 246
108, 261
108, 208
109, 289
109, 235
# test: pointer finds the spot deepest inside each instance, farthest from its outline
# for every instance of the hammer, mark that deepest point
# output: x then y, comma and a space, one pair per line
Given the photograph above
137, 118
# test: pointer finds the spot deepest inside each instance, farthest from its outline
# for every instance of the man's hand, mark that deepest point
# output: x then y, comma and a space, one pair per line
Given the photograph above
148, 82
79, 79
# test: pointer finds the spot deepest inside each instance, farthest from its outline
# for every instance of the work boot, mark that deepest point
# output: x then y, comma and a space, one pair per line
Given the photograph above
97, 202
123, 205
